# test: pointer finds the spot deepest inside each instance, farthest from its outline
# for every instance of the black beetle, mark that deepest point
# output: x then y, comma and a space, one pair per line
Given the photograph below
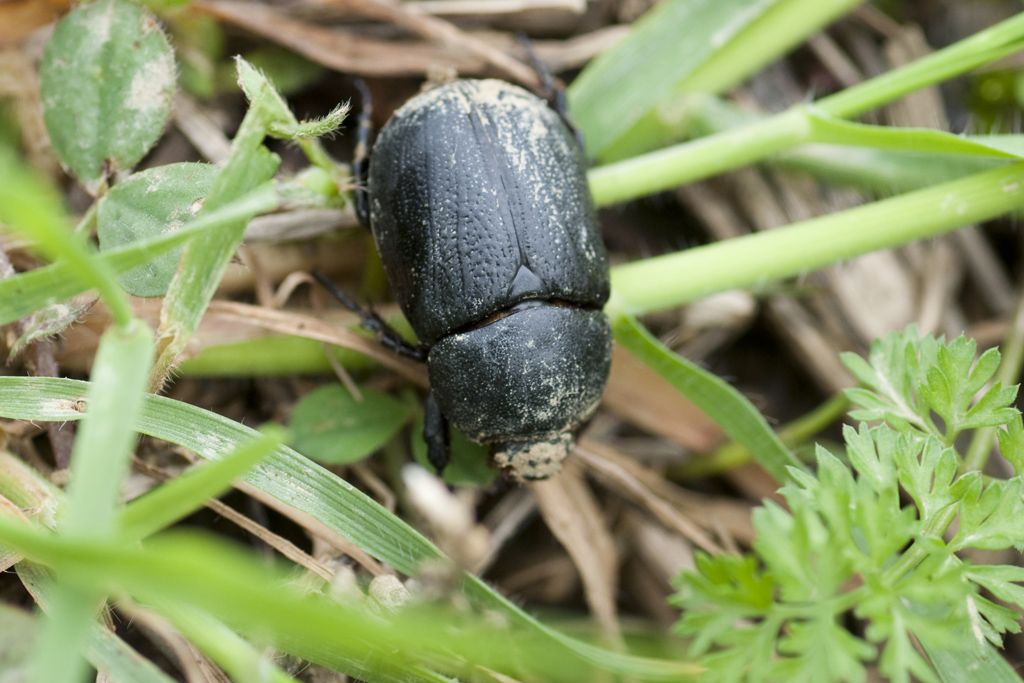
478, 201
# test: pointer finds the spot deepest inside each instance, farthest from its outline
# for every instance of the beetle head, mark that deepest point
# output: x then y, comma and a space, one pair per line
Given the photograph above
533, 460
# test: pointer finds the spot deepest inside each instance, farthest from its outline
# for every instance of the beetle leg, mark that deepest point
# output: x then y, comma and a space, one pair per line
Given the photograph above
435, 433
361, 162
386, 335
554, 89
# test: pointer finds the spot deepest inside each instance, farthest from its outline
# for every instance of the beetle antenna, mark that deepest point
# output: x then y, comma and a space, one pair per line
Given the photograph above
554, 89
386, 335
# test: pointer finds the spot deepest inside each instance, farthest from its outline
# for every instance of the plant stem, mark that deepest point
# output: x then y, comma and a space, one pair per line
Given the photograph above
983, 47
679, 164
88, 220
1009, 372
753, 260
934, 527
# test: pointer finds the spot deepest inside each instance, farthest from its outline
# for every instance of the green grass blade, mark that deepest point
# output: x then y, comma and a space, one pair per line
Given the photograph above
983, 47
105, 651
198, 570
301, 484
25, 293
205, 258
106, 438
180, 497
108, 653
755, 260
227, 649
722, 403
883, 172
684, 46
746, 144
827, 129
57, 656
33, 208
99, 462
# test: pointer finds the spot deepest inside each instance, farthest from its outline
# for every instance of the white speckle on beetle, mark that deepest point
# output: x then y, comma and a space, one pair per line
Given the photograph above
534, 461
1011, 186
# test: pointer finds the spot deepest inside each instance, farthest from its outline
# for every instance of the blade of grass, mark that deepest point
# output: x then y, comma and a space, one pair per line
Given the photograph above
198, 570
719, 401
99, 463
32, 208
105, 651
227, 649
25, 293
679, 164
300, 484
684, 46
764, 257
181, 496
734, 454
827, 129
883, 172
206, 257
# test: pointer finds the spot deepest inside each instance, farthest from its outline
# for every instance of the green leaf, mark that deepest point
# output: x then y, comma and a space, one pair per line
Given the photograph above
891, 374
870, 452
990, 516
470, 463
721, 402
926, 470
332, 426
108, 78
907, 379
724, 580
1011, 444
969, 661
999, 579
154, 202
823, 650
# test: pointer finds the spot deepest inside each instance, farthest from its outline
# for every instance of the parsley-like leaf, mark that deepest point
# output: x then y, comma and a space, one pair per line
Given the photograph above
865, 535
